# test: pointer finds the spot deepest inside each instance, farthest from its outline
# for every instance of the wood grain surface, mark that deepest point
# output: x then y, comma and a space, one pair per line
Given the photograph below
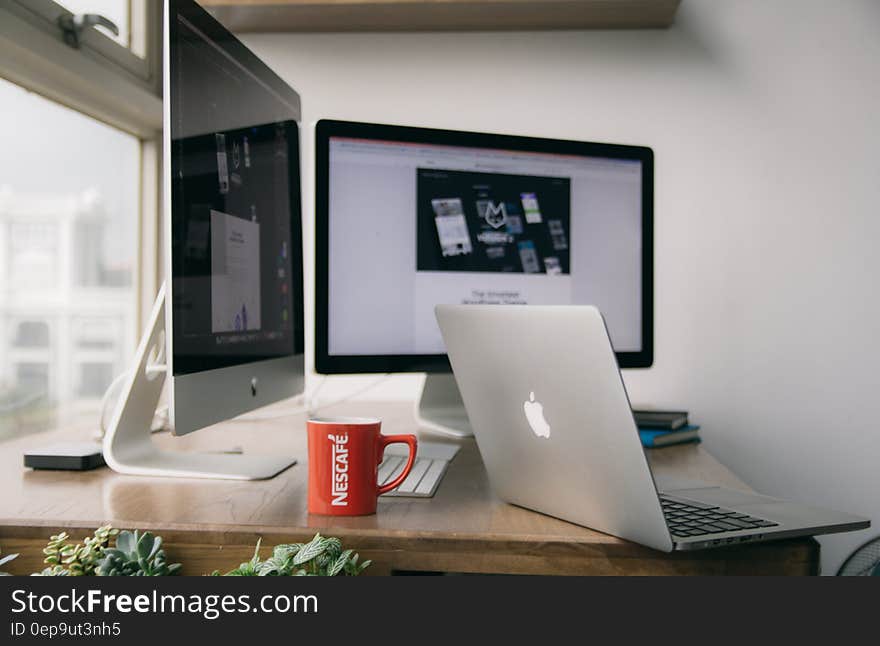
464, 528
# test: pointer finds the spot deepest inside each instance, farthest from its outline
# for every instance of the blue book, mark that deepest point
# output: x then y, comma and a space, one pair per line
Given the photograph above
656, 437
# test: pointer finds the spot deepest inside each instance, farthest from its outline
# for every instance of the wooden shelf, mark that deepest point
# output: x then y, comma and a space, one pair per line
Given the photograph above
440, 15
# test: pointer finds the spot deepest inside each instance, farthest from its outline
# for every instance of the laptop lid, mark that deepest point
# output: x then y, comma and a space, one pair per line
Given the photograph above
551, 415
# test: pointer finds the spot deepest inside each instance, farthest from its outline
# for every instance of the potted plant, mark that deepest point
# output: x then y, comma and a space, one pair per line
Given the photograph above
319, 557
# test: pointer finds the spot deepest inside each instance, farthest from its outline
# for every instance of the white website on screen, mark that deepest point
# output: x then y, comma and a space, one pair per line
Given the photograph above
415, 225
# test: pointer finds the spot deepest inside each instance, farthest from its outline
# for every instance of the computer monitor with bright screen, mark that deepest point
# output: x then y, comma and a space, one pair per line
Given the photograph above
408, 218
235, 225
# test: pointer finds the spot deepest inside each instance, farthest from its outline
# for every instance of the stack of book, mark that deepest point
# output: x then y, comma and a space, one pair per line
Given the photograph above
663, 428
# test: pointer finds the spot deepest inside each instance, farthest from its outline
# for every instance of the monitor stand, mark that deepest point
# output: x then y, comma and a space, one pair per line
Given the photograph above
440, 408
128, 447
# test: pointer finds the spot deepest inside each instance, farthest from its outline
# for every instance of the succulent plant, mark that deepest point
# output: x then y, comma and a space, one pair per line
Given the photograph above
4, 560
136, 554
319, 557
81, 559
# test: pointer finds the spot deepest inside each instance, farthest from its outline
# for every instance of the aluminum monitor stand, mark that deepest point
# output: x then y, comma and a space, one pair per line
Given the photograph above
441, 409
128, 447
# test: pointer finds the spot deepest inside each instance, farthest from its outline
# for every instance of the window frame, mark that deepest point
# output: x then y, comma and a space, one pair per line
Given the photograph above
107, 82
44, 14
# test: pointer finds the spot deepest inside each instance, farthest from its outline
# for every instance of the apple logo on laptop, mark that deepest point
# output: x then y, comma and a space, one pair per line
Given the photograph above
535, 416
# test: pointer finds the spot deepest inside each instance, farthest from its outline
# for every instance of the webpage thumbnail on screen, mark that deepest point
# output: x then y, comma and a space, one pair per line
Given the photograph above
492, 222
414, 225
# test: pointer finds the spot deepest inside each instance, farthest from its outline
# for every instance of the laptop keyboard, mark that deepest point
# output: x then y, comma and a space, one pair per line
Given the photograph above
696, 519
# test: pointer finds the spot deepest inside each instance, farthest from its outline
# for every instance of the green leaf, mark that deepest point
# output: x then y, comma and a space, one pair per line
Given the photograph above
145, 545
310, 551
255, 559
155, 545
334, 546
339, 564
126, 542
287, 550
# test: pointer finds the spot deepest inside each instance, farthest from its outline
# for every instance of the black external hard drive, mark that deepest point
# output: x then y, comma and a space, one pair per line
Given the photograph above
66, 456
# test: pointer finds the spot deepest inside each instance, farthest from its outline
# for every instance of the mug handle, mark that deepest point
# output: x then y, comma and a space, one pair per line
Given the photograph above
412, 442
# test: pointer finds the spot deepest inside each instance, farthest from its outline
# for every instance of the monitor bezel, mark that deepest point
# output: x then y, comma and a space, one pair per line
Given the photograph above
185, 364
325, 129
232, 388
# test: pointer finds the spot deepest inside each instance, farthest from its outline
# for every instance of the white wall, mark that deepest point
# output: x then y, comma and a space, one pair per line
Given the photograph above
764, 120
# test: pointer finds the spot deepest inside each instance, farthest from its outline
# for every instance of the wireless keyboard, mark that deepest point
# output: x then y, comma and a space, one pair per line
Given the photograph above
421, 482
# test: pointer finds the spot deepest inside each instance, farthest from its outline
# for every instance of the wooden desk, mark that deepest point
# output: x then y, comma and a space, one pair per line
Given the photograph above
464, 528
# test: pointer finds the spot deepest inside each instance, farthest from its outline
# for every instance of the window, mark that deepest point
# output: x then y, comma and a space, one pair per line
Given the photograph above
32, 334
134, 49
33, 379
79, 202
94, 379
119, 12
69, 199
116, 79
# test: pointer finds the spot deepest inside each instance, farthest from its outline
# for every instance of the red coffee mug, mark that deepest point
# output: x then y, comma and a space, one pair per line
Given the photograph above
344, 458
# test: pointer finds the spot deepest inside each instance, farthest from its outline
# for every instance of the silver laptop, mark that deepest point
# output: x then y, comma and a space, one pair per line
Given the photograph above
554, 425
